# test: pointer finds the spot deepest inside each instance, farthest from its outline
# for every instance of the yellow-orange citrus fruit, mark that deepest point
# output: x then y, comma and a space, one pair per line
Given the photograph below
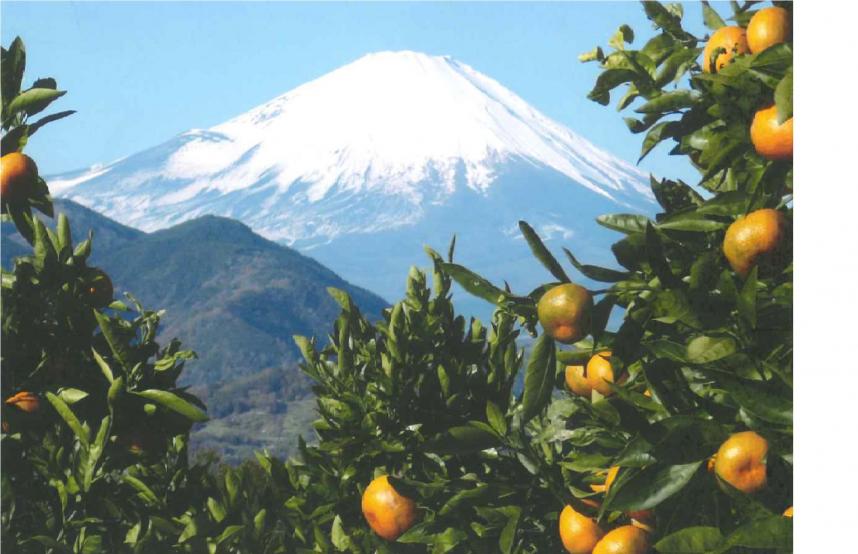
627, 539
788, 512
24, 401
753, 237
731, 39
648, 393
741, 461
578, 532
388, 513
18, 175
564, 312
710, 463
599, 370
576, 381
772, 140
768, 27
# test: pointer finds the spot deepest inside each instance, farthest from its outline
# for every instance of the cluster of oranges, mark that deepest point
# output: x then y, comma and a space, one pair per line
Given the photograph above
768, 27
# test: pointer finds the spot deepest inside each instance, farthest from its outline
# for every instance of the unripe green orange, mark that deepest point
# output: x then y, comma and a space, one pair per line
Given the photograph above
564, 312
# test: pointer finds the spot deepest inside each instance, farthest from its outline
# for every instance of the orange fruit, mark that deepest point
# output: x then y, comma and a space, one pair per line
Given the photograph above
626, 539
772, 140
98, 289
18, 174
577, 381
564, 312
788, 512
710, 463
741, 461
388, 513
599, 370
731, 39
24, 401
768, 27
753, 238
578, 532
648, 393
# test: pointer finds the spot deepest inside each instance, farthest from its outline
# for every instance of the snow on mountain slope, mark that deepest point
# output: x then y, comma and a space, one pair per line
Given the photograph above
393, 142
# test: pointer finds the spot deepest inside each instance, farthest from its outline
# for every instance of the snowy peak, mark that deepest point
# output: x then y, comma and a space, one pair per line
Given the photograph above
399, 115
399, 130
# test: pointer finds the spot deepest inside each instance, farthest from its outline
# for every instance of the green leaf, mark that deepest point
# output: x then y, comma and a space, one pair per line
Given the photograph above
650, 487
711, 18
474, 284
342, 298
783, 97
608, 80
175, 403
35, 126
496, 418
656, 258
702, 350
691, 540
657, 134
624, 34
146, 494
747, 299
595, 272
215, 509
539, 377
114, 340
761, 399
228, 533
595, 54
12, 68
625, 223
339, 538
669, 102
33, 100
463, 439
691, 221
68, 416
507, 536
541, 252
102, 365
770, 533
71, 395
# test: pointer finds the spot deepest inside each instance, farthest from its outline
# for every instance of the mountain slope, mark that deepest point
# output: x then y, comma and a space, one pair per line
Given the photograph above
366, 160
235, 298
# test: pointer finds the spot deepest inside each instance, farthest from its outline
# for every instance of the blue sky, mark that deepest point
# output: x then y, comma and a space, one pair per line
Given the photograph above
140, 73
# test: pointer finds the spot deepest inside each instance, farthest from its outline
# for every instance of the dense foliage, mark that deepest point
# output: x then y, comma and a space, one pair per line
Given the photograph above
704, 351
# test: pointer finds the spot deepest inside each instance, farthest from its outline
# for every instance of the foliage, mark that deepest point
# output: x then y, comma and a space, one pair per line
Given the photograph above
428, 398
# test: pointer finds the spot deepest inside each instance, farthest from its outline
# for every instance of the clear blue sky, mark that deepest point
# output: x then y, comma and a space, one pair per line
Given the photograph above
140, 73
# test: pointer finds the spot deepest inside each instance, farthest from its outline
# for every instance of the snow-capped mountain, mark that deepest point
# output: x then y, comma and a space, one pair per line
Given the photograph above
364, 165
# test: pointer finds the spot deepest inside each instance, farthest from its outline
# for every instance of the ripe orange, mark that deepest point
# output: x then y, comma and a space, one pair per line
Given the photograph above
772, 140
753, 238
788, 512
768, 27
578, 532
576, 381
99, 289
388, 513
599, 370
18, 175
564, 312
24, 401
741, 461
626, 539
731, 39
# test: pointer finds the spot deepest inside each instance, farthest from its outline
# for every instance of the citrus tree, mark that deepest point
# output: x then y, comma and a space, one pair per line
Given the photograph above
94, 427
672, 432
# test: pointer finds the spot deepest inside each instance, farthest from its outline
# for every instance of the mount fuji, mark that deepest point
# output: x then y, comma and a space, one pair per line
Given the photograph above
363, 166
